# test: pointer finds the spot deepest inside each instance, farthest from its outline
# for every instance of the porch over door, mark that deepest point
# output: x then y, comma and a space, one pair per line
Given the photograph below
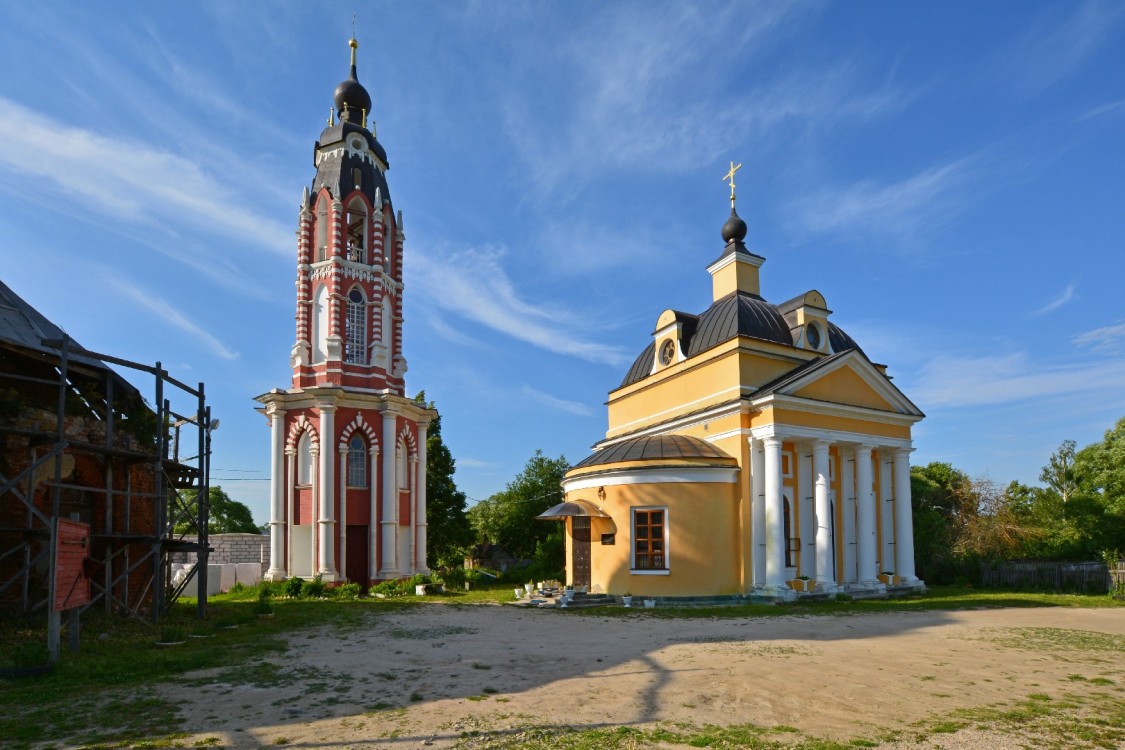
581, 550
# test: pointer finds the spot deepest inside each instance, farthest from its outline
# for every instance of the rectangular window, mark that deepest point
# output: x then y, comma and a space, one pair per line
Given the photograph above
356, 339
357, 467
650, 542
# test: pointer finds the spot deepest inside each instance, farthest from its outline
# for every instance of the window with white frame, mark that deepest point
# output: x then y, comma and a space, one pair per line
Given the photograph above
650, 538
322, 231
356, 328
304, 460
357, 462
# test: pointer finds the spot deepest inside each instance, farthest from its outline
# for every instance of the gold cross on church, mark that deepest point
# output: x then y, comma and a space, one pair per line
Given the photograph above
730, 176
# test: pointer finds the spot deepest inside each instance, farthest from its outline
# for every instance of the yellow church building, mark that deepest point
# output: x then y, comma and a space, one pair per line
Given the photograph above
753, 450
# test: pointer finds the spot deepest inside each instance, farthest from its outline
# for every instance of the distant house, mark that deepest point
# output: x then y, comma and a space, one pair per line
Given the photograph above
752, 450
493, 557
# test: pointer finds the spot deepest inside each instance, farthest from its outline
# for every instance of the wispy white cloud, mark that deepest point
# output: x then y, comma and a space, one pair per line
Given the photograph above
1063, 297
573, 407
953, 382
1105, 339
129, 181
170, 315
1103, 109
474, 285
900, 208
1053, 48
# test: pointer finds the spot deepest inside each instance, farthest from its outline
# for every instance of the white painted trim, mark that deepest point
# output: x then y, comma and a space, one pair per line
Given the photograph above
754, 260
715, 412
789, 432
682, 406
826, 408
669, 475
878, 382
638, 572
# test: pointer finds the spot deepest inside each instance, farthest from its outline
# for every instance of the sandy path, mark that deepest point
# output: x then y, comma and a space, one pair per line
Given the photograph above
408, 679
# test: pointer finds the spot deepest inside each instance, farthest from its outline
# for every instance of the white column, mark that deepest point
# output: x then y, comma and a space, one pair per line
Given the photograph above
326, 567
847, 490
408, 558
803, 507
904, 517
314, 488
865, 497
420, 507
758, 510
775, 532
290, 498
341, 535
373, 519
276, 570
824, 576
389, 522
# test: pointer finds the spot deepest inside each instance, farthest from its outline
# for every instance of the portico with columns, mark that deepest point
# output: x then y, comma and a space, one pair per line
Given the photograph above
347, 446
819, 438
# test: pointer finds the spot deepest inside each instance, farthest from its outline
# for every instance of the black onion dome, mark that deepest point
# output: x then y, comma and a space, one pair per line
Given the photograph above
735, 228
839, 340
739, 314
352, 93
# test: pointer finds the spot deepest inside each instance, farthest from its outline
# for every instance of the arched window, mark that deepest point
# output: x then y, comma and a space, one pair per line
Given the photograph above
388, 248
357, 462
355, 341
357, 178
321, 231
357, 231
304, 460
320, 324
402, 471
385, 330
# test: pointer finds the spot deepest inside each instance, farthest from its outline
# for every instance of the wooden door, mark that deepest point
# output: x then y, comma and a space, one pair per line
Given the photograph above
581, 556
357, 555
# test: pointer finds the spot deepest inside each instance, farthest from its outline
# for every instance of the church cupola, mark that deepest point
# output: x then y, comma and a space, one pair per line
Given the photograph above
736, 270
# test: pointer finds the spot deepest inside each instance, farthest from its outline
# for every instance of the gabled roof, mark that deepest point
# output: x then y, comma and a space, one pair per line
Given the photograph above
806, 374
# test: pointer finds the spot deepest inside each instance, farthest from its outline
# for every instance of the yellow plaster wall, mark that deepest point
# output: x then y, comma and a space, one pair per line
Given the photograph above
702, 544
845, 386
826, 422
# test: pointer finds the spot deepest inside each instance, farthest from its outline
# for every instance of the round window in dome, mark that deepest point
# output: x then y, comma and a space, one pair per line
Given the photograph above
812, 335
667, 352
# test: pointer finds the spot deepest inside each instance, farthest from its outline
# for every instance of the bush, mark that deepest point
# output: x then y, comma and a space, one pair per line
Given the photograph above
293, 587
314, 589
29, 654
454, 577
347, 591
262, 606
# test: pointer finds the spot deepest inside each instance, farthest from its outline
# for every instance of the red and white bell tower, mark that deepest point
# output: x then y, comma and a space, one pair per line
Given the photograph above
348, 448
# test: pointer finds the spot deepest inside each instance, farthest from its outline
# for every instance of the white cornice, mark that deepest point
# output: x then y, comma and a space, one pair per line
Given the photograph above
829, 409
641, 475
793, 432
687, 421
736, 257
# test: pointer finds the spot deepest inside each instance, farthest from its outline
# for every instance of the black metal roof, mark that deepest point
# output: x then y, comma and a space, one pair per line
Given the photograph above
335, 171
652, 448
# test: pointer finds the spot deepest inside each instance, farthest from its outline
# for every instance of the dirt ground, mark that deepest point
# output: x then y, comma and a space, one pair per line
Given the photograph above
423, 677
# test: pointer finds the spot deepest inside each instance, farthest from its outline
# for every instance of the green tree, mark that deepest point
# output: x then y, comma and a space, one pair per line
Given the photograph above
448, 533
1058, 474
507, 518
226, 516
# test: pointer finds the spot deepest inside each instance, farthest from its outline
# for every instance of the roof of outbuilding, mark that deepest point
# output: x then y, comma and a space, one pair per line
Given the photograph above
653, 448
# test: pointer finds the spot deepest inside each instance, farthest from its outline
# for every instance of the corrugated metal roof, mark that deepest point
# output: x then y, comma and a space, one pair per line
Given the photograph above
652, 448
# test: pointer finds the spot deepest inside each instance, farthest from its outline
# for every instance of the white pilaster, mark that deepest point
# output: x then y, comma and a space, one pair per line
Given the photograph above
389, 522
885, 504
373, 519
420, 509
758, 510
804, 506
904, 518
847, 490
341, 533
824, 578
326, 567
276, 416
291, 512
865, 497
775, 532
315, 482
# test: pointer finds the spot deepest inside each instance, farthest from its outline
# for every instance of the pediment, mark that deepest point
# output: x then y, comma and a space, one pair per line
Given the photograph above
847, 379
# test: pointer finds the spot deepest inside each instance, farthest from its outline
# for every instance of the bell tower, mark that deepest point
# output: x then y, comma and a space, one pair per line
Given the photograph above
348, 463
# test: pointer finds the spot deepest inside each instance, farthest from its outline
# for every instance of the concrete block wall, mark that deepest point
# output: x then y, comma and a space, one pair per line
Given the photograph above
233, 548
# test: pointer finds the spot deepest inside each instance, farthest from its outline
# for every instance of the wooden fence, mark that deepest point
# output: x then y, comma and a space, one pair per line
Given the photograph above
1081, 577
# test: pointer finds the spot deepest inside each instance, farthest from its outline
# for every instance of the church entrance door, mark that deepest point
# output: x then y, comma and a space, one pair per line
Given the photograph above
581, 561
356, 564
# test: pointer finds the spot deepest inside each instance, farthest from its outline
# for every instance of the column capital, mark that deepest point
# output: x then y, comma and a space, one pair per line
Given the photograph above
904, 452
772, 441
273, 410
820, 445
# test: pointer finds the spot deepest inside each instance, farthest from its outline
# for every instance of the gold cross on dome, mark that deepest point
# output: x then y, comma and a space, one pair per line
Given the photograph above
730, 176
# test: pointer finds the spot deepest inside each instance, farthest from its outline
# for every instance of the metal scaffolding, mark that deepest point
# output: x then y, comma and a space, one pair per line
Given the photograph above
79, 442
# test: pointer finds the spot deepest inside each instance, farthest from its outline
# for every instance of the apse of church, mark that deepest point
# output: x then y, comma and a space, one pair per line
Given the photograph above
347, 447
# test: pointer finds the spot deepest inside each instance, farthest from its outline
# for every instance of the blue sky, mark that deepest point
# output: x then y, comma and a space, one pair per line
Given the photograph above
951, 176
